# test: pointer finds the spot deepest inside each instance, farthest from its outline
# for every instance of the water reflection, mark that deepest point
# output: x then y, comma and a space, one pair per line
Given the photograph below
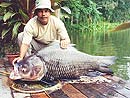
115, 43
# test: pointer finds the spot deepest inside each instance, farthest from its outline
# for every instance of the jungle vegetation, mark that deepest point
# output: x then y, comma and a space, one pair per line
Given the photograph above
96, 15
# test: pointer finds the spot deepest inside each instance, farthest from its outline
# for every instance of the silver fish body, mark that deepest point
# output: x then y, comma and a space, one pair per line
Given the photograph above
58, 63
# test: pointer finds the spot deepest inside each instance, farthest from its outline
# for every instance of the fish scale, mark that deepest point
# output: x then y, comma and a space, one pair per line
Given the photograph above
64, 71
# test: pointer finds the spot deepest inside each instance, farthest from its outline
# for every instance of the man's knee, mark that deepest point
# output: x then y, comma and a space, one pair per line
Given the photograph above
20, 36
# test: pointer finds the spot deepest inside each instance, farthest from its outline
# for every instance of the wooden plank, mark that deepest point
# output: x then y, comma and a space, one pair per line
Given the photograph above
40, 95
87, 90
102, 89
72, 92
125, 92
21, 95
98, 90
121, 86
4, 88
110, 90
58, 94
127, 86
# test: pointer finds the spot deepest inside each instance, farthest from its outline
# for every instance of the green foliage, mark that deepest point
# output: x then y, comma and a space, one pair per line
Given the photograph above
82, 10
114, 10
12, 20
84, 16
90, 15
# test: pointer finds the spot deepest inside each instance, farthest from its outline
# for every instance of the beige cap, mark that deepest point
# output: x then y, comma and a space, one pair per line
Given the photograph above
41, 4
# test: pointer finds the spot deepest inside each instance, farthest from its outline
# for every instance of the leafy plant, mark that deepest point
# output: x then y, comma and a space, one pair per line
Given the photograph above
84, 17
12, 18
114, 10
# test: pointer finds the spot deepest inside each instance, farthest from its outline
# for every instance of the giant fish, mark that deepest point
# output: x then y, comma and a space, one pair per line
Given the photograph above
54, 63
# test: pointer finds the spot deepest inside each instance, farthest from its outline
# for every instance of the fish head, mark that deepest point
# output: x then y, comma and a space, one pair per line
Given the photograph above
30, 69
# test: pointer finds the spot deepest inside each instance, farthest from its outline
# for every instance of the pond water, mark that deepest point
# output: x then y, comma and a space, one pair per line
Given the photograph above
106, 44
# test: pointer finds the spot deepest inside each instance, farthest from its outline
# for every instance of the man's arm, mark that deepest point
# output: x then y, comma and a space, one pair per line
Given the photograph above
23, 51
62, 32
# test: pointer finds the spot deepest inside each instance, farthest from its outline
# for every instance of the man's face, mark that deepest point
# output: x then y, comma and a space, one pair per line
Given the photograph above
43, 15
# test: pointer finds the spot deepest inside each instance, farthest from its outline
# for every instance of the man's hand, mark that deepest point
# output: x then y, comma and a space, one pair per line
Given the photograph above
23, 50
16, 60
64, 43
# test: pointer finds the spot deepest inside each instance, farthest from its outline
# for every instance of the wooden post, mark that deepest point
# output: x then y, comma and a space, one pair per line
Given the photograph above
52, 2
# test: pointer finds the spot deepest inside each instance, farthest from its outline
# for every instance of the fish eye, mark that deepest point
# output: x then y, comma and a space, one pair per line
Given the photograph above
24, 70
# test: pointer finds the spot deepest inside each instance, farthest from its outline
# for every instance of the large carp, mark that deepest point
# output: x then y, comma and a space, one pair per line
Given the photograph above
53, 62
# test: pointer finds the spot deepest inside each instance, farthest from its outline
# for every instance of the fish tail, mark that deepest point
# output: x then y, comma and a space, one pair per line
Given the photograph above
106, 61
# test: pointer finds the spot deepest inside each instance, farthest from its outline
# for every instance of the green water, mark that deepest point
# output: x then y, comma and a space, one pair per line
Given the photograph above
114, 44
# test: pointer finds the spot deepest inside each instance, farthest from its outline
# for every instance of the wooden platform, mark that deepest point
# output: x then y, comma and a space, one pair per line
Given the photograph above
113, 87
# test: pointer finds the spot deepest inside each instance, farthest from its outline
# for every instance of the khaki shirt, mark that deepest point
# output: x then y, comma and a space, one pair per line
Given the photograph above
54, 30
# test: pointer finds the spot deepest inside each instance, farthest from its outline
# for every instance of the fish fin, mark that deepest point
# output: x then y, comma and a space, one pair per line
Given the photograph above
107, 60
105, 70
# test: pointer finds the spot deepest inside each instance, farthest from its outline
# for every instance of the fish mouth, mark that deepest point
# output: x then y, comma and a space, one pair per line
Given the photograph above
14, 75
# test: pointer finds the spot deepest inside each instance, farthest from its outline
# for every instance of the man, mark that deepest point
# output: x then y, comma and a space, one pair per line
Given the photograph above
41, 30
